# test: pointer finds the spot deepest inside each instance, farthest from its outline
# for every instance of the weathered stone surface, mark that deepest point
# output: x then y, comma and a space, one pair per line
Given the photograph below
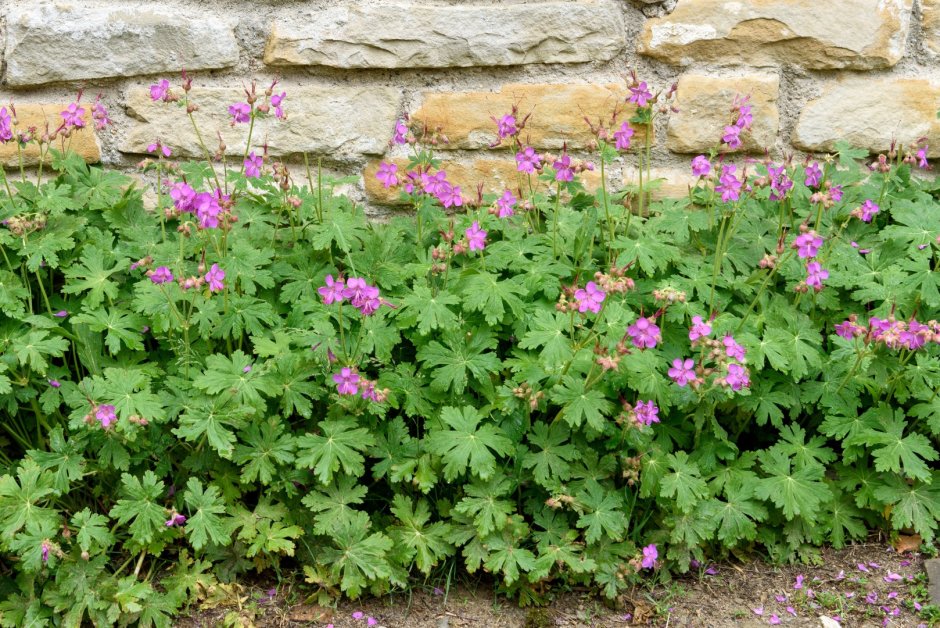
933, 577
335, 121
495, 174
930, 11
870, 114
674, 182
705, 109
398, 36
557, 113
82, 141
61, 42
858, 34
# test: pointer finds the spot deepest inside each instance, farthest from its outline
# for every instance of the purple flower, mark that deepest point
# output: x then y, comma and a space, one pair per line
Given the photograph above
646, 413
732, 348
682, 371
476, 237
72, 116
791, 610
240, 112
159, 90
780, 183
44, 551
358, 615
590, 298
640, 94
701, 167
922, 157
774, 619
737, 377
387, 174
815, 275
758, 611
799, 582
807, 244
371, 621
401, 133
868, 210
208, 209
276, 100
105, 414
505, 204
700, 329
835, 193
98, 112
347, 381
849, 329
332, 292
563, 170
158, 147
362, 296
528, 160
622, 137
893, 577
215, 277
175, 520
449, 195
54, 383
506, 126
813, 175
435, 184
160, 275
732, 137
183, 196
745, 119
780, 598
253, 165
650, 555
6, 126
644, 333
728, 185
61, 314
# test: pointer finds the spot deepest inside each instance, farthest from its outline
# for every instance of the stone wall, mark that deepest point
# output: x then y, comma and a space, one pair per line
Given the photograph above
817, 72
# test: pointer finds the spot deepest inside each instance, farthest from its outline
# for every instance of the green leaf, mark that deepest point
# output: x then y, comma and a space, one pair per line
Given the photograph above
797, 491
92, 530
92, 276
580, 404
214, 419
428, 311
358, 557
507, 558
332, 504
427, 544
337, 448
487, 293
467, 444
457, 360
549, 330
683, 482
22, 499
483, 503
207, 521
603, 513
140, 505
33, 349
122, 327
914, 505
237, 377
898, 453
550, 461
266, 446
340, 227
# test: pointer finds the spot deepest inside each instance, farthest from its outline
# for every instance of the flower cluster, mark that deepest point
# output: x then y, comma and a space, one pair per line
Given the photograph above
435, 184
890, 332
743, 119
727, 356
807, 246
360, 294
350, 383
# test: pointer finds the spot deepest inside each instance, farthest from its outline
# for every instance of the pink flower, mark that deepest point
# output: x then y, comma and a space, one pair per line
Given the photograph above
807, 244
276, 100
791, 610
563, 170
815, 275
922, 157
371, 621
849, 329
61, 314
700, 329
758, 611
253, 165
207, 210
476, 237
728, 185
622, 137
590, 298
240, 112
732, 348
158, 147
215, 277
387, 174
745, 119
99, 113
646, 413
332, 292
780, 598
72, 116
737, 377
835, 193
640, 94
774, 619
701, 167
44, 551
868, 210
449, 196
644, 333
160, 275
780, 183
6, 126
401, 133
813, 175
505, 204
799, 582
682, 371
731, 137
347, 383
106, 415
160, 90
528, 160
54, 383
358, 615
650, 556
176, 519
506, 126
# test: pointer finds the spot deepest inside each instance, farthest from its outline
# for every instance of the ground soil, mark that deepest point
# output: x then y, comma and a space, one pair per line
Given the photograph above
854, 585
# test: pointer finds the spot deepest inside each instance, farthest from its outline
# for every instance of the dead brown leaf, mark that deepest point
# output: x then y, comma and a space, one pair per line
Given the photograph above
905, 543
